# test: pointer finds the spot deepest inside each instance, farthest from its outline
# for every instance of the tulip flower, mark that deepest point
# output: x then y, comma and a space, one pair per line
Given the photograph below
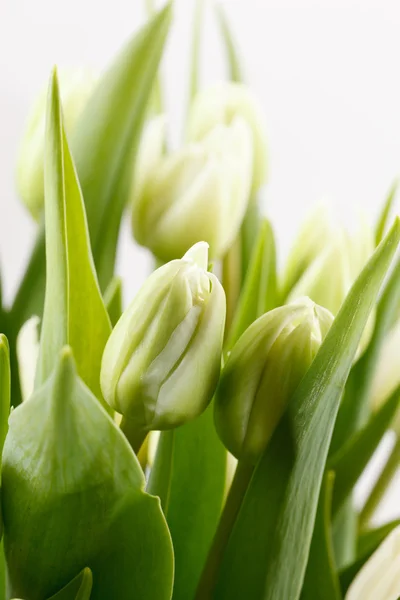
162, 361
199, 192
379, 578
328, 261
262, 372
222, 104
76, 87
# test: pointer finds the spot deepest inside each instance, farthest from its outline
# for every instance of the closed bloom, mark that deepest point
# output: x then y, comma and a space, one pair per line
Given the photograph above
199, 192
379, 579
76, 87
262, 372
222, 104
331, 260
162, 361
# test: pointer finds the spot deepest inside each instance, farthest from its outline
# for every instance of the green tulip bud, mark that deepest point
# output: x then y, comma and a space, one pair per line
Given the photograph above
161, 363
221, 104
72, 497
76, 87
197, 193
262, 372
331, 264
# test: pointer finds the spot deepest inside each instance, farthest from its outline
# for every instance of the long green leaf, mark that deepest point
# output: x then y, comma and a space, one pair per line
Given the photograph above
74, 311
230, 44
321, 581
192, 495
79, 588
104, 145
113, 300
351, 460
259, 293
278, 512
385, 212
355, 408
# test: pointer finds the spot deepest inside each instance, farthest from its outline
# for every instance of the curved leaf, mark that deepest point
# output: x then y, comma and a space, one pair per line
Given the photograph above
385, 212
104, 145
5, 389
350, 461
230, 44
73, 496
74, 311
79, 588
113, 300
286, 483
321, 581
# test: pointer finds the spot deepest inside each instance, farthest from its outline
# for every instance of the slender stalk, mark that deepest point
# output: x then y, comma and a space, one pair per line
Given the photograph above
208, 580
134, 436
232, 280
381, 485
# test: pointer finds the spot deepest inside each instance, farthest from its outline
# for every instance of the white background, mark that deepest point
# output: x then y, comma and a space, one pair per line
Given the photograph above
327, 73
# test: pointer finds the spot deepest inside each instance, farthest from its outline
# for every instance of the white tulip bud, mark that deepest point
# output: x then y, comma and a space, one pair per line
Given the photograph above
197, 193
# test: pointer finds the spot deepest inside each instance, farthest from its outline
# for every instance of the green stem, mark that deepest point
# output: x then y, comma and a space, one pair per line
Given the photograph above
134, 435
232, 280
208, 580
195, 53
381, 485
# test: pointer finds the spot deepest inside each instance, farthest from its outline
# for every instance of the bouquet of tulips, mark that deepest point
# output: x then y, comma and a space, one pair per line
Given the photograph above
204, 442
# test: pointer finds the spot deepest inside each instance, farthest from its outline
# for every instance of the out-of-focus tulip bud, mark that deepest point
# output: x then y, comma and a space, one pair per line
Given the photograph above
337, 262
221, 104
76, 87
262, 372
197, 193
387, 375
162, 361
379, 578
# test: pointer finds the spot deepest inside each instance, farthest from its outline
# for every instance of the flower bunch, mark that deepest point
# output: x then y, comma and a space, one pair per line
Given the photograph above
204, 442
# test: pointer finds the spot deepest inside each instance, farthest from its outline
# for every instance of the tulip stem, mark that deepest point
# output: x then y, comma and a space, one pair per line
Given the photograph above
134, 435
381, 485
208, 580
231, 280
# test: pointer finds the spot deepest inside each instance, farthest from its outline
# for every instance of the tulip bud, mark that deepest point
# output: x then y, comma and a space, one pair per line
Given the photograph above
197, 193
162, 361
337, 262
221, 104
76, 87
387, 374
379, 578
262, 372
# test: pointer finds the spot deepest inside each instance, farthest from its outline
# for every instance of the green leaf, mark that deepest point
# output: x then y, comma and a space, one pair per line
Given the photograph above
113, 300
106, 138
104, 146
74, 311
278, 512
195, 460
235, 70
321, 581
384, 215
351, 460
79, 588
259, 293
73, 497
355, 408
369, 540
5, 389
